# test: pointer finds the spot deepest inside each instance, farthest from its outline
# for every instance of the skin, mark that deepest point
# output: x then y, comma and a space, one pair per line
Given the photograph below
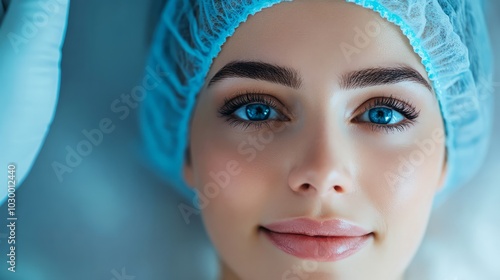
321, 163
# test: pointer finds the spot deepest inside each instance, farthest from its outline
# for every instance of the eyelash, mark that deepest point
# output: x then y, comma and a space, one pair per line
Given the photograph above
231, 105
246, 98
403, 107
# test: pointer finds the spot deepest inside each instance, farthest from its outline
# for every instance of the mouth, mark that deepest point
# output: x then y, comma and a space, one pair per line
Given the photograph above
324, 241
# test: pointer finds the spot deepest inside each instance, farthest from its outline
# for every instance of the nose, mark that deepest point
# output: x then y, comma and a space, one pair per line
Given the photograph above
321, 163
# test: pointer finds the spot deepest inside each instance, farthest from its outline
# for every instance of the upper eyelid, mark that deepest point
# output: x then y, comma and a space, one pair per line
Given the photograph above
407, 105
371, 103
405, 124
283, 110
268, 99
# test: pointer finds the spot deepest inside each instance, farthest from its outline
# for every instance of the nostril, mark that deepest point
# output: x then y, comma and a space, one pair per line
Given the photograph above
338, 189
305, 187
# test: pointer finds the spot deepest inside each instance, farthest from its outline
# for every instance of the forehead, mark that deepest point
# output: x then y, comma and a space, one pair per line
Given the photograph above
322, 36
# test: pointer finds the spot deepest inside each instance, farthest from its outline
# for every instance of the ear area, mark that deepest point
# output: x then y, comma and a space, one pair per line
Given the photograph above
444, 173
188, 173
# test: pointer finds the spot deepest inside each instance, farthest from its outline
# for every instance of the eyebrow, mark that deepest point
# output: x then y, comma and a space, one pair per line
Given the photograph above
259, 71
380, 76
290, 77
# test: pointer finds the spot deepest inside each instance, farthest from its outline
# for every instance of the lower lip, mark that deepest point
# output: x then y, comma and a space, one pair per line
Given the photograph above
325, 249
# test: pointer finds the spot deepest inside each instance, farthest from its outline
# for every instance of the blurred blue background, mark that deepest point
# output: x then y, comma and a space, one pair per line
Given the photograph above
111, 218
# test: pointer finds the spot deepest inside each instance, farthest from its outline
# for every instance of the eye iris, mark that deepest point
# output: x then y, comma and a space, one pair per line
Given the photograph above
257, 112
380, 115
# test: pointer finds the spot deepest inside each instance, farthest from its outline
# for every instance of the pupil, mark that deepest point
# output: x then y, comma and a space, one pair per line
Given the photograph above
257, 112
380, 115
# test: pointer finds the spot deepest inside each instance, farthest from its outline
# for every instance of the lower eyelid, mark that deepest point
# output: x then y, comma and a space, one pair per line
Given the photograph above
283, 113
392, 128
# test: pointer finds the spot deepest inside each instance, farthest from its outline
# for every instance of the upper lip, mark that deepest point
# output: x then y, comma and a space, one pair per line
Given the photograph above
310, 227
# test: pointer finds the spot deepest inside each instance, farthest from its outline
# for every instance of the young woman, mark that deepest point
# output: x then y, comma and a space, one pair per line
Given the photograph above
315, 136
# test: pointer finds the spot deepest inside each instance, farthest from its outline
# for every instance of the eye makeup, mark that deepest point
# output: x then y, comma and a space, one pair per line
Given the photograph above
271, 109
408, 111
230, 106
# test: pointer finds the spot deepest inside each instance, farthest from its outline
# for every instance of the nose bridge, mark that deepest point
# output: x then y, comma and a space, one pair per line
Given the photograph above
320, 164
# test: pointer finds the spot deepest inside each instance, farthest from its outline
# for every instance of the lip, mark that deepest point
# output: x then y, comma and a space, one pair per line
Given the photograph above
329, 240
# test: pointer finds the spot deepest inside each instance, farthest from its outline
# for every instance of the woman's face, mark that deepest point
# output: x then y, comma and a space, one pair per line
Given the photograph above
317, 146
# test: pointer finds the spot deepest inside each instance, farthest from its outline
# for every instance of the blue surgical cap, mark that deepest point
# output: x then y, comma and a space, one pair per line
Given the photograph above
450, 36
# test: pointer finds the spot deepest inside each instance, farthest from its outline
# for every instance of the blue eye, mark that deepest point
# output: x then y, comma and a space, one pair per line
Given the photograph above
382, 116
252, 109
256, 112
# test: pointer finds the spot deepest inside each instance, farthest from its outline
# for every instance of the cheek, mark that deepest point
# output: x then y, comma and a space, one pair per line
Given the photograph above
234, 166
400, 179
230, 177
403, 178
398, 176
